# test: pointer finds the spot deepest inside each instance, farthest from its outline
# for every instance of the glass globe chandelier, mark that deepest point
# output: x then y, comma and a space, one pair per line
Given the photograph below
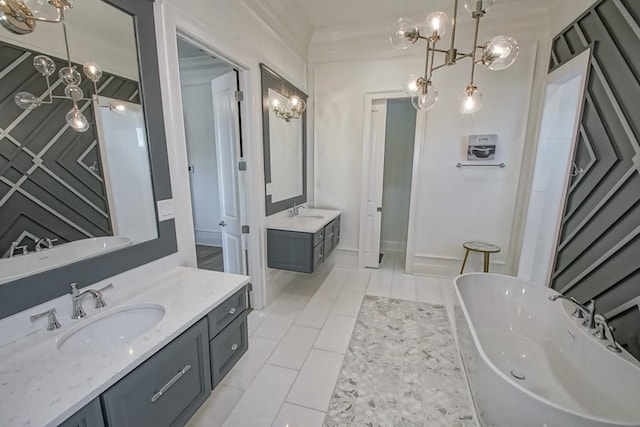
19, 18
292, 110
496, 54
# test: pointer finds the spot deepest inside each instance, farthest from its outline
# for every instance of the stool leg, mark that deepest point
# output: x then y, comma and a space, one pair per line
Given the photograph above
464, 261
486, 262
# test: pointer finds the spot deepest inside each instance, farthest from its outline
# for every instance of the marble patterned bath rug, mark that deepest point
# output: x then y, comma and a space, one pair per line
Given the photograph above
401, 370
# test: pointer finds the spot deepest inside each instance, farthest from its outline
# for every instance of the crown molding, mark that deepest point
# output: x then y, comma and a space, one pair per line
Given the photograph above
286, 20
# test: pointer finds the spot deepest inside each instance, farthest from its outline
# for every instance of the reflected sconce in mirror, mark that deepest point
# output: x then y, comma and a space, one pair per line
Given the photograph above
496, 54
293, 110
18, 18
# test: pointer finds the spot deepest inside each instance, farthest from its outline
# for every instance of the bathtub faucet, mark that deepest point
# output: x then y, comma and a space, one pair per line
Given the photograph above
586, 312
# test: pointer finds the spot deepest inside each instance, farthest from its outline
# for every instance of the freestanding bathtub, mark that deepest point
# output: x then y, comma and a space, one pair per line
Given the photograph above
529, 363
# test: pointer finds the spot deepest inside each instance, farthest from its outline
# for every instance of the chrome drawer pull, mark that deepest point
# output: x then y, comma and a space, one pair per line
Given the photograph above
232, 310
171, 382
234, 347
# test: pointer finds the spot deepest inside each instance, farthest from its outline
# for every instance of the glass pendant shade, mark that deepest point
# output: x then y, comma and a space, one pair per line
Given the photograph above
410, 85
296, 105
500, 52
470, 100
44, 65
26, 101
74, 93
117, 107
436, 23
92, 71
471, 6
70, 76
425, 101
76, 120
400, 29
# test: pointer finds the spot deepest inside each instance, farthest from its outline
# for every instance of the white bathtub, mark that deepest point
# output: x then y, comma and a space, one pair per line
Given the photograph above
507, 327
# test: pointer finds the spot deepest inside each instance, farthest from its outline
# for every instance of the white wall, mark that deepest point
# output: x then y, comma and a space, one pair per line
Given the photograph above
237, 35
201, 152
453, 205
398, 162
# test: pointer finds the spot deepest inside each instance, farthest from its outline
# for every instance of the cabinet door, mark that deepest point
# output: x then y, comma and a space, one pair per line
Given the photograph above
222, 315
227, 348
167, 389
290, 250
89, 416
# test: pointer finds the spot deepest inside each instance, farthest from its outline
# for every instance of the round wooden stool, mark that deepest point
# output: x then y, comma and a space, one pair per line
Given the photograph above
485, 248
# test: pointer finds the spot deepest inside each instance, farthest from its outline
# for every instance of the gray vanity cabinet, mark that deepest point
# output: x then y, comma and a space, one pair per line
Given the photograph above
89, 416
167, 389
228, 334
300, 251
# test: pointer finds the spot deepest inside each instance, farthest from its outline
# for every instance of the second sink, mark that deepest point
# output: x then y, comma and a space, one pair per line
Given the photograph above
111, 329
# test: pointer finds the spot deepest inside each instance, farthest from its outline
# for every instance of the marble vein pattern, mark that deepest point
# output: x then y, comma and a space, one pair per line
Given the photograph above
401, 369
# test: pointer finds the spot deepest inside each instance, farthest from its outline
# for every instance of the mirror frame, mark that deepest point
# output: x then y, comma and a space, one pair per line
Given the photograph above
38, 288
271, 79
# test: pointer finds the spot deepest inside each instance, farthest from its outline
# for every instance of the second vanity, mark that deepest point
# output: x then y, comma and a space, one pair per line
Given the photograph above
158, 378
303, 241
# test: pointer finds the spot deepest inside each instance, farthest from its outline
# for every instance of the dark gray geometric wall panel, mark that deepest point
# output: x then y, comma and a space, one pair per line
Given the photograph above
598, 253
51, 182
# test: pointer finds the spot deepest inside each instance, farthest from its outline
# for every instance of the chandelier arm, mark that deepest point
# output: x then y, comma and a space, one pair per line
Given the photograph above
49, 91
472, 55
439, 66
56, 20
427, 68
66, 39
433, 54
454, 25
439, 50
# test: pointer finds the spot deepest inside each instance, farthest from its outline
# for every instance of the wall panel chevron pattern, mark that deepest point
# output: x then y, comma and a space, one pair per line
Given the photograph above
50, 180
598, 253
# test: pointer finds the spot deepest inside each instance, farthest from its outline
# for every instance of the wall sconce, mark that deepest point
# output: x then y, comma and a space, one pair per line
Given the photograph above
497, 54
18, 18
293, 110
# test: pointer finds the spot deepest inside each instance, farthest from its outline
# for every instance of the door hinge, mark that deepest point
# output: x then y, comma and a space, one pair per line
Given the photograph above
379, 209
242, 165
239, 96
245, 229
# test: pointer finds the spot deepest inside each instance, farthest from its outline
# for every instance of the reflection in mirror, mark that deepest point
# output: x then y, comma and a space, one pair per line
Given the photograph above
284, 122
64, 179
285, 151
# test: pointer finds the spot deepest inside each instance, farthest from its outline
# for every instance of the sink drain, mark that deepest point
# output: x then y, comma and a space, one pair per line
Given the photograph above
518, 375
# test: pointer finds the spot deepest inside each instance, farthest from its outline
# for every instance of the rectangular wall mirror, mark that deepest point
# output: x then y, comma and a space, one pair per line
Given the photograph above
82, 149
284, 121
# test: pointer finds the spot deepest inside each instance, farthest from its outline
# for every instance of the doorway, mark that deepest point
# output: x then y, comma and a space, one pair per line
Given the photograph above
210, 104
389, 179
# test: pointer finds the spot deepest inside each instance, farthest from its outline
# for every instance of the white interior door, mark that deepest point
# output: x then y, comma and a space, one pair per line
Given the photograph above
227, 131
373, 216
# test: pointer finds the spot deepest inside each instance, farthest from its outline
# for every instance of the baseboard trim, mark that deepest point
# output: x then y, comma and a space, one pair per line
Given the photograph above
208, 238
388, 245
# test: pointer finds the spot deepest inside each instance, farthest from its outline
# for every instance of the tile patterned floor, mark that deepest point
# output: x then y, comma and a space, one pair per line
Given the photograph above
401, 369
297, 346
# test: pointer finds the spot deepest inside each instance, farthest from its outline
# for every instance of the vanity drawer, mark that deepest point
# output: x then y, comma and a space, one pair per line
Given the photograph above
227, 348
89, 416
318, 255
318, 237
231, 308
167, 389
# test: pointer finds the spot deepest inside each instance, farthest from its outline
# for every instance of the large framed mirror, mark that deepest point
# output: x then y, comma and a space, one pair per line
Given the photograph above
284, 124
83, 156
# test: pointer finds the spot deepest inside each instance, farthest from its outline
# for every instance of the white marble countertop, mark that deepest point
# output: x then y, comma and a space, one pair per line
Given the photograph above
309, 220
40, 386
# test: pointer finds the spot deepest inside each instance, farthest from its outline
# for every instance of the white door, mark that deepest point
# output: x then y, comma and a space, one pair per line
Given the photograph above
227, 132
373, 219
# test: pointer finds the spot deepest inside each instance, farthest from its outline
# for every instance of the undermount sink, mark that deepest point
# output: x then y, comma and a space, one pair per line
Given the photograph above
111, 329
309, 216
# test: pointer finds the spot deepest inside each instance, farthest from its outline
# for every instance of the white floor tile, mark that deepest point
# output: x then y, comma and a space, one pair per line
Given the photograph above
334, 283
428, 289
358, 281
403, 286
297, 416
275, 326
294, 347
288, 304
255, 319
260, 403
216, 408
315, 313
380, 283
335, 334
245, 371
348, 303
317, 379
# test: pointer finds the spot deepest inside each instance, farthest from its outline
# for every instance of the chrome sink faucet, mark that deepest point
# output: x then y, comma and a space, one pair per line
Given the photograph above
77, 312
40, 244
295, 210
15, 248
586, 312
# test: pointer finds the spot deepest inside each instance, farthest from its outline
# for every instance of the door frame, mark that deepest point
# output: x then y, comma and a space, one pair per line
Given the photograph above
367, 151
172, 22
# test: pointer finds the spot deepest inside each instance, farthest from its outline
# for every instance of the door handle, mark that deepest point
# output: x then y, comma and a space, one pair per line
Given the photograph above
222, 224
575, 171
379, 209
